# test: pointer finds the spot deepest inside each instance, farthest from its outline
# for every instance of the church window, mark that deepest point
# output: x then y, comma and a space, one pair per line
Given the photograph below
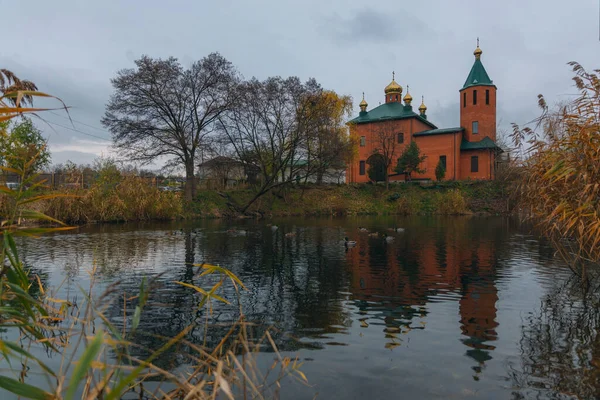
475, 127
464, 99
474, 164
474, 97
443, 161
400, 137
363, 141
396, 97
487, 97
362, 168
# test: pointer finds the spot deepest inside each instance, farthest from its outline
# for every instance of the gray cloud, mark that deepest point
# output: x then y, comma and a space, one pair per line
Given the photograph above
78, 157
377, 26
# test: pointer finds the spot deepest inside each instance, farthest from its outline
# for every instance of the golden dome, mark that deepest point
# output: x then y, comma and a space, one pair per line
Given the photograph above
393, 87
363, 104
408, 97
478, 51
422, 107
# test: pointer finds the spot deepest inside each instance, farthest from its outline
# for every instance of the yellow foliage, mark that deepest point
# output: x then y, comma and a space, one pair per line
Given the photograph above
560, 185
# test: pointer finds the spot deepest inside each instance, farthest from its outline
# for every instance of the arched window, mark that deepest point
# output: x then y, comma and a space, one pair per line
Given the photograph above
400, 137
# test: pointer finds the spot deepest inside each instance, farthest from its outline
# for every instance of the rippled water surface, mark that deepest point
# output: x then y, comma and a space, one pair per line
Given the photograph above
451, 308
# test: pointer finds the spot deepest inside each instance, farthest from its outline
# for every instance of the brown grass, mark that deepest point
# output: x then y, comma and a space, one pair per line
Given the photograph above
132, 199
560, 186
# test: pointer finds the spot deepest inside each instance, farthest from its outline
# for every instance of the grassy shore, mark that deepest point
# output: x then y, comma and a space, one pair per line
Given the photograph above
132, 200
448, 198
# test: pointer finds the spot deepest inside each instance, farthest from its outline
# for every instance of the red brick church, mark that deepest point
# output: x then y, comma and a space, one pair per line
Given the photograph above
467, 152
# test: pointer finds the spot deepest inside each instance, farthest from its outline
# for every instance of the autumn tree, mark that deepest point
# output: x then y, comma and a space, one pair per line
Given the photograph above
281, 125
159, 109
410, 161
326, 143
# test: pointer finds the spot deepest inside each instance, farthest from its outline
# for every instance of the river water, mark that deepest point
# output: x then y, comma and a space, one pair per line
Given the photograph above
473, 307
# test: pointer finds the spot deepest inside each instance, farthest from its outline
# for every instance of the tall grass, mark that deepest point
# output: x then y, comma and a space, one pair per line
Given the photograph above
560, 180
131, 199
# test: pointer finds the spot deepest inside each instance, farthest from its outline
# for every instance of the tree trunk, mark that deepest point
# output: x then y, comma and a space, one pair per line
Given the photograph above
319, 177
387, 178
190, 181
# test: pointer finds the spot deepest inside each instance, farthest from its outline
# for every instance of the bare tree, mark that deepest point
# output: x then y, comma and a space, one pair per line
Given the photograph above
383, 140
160, 109
274, 126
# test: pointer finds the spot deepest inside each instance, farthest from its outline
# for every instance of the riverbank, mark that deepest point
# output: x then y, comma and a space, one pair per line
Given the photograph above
447, 198
134, 201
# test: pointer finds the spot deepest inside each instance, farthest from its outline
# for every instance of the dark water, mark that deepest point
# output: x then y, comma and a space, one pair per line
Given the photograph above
452, 308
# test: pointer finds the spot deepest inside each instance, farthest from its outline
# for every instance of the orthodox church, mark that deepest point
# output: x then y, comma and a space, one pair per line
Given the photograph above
467, 152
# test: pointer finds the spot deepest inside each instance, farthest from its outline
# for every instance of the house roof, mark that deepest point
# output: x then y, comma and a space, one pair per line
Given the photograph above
478, 76
220, 160
389, 112
485, 143
439, 131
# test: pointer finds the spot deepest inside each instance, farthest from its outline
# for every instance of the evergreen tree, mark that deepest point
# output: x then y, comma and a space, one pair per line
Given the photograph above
440, 171
410, 160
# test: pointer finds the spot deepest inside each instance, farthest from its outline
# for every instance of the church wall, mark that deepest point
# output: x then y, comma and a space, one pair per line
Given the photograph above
435, 146
486, 162
371, 132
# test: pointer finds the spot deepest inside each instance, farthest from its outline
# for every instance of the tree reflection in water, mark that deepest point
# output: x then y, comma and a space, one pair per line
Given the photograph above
378, 299
560, 346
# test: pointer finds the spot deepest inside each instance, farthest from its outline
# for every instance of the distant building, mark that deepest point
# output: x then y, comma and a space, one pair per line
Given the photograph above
304, 174
468, 151
227, 171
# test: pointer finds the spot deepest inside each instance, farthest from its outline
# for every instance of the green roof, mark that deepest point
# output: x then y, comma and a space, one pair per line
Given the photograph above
439, 131
388, 112
478, 76
485, 143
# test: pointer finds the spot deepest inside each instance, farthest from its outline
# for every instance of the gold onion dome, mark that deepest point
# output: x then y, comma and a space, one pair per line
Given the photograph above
393, 87
477, 53
408, 98
363, 103
422, 107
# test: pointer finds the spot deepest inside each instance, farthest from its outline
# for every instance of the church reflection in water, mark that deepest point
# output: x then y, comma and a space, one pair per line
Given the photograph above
452, 262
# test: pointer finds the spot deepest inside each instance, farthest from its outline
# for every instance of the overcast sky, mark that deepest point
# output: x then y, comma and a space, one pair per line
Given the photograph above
71, 49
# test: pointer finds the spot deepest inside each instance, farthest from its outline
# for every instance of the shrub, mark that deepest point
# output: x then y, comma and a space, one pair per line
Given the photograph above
450, 203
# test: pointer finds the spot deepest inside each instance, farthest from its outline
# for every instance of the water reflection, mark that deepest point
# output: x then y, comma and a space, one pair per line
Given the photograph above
441, 304
560, 345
